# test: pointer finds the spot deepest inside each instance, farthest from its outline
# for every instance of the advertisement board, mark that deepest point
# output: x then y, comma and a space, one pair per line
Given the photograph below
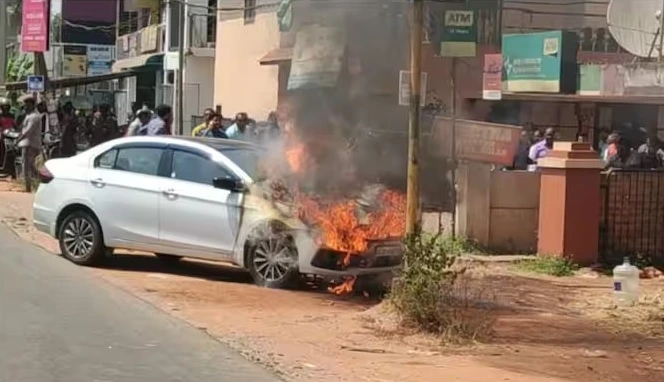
317, 57
74, 60
35, 27
476, 140
540, 62
99, 59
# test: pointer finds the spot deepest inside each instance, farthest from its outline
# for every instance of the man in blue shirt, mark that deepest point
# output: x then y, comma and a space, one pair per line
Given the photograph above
239, 130
161, 124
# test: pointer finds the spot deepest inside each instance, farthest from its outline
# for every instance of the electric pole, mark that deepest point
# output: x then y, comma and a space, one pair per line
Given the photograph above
3, 43
413, 181
180, 73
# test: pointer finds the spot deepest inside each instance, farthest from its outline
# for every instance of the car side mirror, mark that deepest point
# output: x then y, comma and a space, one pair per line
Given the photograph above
233, 185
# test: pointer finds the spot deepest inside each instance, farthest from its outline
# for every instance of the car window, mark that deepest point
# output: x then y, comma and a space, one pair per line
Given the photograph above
191, 167
140, 160
107, 159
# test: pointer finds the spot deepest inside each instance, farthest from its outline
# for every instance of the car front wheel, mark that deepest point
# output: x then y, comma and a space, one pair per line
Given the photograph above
81, 239
272, 261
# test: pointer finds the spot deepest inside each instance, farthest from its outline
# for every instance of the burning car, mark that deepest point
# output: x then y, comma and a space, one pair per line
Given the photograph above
215, 200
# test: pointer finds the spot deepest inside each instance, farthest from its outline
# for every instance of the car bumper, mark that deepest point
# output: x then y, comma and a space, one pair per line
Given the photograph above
382, 257
43, 219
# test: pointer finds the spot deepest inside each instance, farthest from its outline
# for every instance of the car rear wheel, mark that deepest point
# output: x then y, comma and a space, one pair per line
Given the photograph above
272, 261
168, 259
81, 240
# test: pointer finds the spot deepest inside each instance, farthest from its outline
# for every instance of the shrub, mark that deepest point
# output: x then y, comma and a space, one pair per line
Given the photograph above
433, 294
548, 265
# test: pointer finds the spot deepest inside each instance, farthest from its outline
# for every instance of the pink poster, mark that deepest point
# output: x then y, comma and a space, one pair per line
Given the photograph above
34, 33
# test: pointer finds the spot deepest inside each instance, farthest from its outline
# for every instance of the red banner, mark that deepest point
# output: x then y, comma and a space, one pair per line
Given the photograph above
36, 20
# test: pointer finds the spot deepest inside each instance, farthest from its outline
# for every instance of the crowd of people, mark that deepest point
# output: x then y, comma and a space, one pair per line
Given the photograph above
614, 150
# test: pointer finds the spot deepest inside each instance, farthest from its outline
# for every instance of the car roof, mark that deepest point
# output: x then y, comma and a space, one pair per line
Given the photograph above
219, 144
214, 143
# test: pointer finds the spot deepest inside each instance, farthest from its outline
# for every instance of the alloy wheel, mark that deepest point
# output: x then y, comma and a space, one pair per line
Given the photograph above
274, 258
78, 238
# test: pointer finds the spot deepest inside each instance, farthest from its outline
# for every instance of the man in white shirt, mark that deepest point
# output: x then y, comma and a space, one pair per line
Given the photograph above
239, 130
30, 140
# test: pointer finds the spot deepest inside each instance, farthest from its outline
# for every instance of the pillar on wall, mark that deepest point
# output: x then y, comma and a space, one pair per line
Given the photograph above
570, 202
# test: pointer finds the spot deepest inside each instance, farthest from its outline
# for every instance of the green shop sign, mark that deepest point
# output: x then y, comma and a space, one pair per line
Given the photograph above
459, 34
540, 62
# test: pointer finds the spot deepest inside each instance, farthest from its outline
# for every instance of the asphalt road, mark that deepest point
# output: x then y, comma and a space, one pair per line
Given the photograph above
59, 323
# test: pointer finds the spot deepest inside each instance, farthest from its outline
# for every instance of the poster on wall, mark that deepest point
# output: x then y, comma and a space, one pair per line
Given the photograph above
492, 77
75, 60
404, 88
36, 20
317, 57
99, 59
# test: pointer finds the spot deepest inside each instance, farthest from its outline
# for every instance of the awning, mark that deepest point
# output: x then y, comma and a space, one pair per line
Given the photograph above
277, 56
73, 81
150, 60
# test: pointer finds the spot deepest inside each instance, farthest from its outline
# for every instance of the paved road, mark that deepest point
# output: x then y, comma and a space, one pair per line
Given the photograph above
59, 323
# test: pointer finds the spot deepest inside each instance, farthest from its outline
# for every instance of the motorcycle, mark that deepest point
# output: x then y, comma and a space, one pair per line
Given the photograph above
11, 153
51, 146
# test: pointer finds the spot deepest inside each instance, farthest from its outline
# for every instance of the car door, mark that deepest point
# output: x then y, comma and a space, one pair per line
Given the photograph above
125, 190
194, 215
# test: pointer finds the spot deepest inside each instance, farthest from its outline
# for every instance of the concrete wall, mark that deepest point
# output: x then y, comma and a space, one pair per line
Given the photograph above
240, 82
199, 87
498, 209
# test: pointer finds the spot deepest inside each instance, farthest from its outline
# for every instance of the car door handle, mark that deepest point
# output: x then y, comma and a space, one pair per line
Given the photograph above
98, 182
170, 193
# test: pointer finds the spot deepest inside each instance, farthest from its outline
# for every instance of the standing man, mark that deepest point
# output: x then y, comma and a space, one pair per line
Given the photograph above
541, 148
161, 125
238, 130
208, 114
104, 126
143, 117
30, 140
69, 131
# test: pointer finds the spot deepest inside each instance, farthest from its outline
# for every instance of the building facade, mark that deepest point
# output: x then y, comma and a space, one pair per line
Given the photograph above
147, 44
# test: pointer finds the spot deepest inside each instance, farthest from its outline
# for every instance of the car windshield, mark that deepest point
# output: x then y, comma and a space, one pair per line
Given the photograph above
247, 159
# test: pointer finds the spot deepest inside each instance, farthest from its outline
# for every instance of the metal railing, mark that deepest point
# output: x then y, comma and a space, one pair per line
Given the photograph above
632, 219
147, 40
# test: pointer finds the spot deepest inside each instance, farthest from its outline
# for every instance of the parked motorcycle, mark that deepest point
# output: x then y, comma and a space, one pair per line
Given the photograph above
51, 146
8, 163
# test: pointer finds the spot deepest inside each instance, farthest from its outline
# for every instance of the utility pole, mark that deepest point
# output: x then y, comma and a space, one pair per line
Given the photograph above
661, 34
180, 73
453, 108
3, 43
413, 181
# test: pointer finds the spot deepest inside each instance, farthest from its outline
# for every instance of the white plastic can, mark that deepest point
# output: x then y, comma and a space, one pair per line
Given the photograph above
626, 284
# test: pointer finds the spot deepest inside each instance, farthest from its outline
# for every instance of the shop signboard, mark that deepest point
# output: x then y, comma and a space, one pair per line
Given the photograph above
459, 34
540, 62
35, 29
476, 141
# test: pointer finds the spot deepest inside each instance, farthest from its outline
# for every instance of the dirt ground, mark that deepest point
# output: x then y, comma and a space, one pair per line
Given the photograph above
547, 330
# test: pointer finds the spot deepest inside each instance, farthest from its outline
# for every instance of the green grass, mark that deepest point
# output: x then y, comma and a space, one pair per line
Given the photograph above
548, 265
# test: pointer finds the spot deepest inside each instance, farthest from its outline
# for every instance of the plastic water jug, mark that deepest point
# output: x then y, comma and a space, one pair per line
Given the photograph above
626, 284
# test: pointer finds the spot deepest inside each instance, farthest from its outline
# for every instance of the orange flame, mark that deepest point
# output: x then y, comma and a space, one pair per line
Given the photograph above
295, 157
344, 230
344, 288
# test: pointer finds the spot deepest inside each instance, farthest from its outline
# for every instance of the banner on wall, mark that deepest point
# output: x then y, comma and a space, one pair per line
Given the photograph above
74, 60
492, 77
